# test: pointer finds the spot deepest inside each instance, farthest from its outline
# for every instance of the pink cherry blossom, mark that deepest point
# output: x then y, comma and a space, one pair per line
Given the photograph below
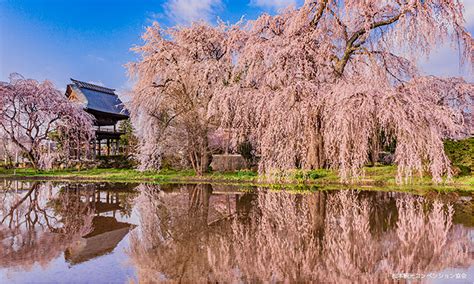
324, 85
31, 112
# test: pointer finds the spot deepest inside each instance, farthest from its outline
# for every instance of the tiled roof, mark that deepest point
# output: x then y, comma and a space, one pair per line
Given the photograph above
100, 98
93, 87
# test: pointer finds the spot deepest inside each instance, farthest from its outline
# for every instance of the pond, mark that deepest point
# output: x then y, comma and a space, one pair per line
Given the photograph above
147, 233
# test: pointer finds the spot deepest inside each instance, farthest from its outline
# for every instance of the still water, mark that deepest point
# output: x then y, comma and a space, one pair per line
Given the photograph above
131, 233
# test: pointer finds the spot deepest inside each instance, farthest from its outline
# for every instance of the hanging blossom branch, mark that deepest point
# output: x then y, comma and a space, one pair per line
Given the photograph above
179, 73
318, 86
322, 86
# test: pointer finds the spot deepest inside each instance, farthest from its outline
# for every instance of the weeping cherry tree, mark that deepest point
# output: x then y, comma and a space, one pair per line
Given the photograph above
31, 112
327, 84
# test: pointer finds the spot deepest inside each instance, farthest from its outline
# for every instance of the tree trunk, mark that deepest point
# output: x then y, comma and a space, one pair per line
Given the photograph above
319, 151
319, 144
374, 153
203, 156
32, 157
315, 155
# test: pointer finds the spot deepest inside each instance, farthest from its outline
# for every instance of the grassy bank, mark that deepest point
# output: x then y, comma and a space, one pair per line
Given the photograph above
382, 176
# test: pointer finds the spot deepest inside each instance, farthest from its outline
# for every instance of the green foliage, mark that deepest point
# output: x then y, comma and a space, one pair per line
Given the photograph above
128, 139
461, 154
246, 150
247, 173
302, 175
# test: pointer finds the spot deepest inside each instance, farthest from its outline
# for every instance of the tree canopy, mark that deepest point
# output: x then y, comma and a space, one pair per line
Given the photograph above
323, 85
31, 112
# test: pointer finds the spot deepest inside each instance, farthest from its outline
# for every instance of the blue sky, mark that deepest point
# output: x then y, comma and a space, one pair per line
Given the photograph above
91, 40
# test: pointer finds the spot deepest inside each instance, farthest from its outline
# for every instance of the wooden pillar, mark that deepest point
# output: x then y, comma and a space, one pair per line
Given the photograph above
98, 142
108, 147
112, 146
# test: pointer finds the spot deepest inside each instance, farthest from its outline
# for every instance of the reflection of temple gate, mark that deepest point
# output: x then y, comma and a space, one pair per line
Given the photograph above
102, 202
107, 230
106, 235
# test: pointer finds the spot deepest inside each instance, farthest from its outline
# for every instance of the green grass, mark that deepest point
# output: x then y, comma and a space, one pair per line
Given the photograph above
116, 175
380, 178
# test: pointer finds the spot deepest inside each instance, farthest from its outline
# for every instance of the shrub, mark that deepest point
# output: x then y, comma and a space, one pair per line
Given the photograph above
246, 150
461, 154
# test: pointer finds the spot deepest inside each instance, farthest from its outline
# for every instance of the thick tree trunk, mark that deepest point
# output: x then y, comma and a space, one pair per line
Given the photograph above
315, 156
319, 145
375, 149
200, 157
319, 151
203, 163
32, 157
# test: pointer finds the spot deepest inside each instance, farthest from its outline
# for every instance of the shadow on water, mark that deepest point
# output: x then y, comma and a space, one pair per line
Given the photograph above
209, 233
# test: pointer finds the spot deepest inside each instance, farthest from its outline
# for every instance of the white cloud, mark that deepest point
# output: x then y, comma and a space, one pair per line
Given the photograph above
187, 11
97, 83
124, 90
444, 62
272, 4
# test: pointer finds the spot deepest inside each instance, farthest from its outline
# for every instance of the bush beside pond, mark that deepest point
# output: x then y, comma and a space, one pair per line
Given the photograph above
461, 154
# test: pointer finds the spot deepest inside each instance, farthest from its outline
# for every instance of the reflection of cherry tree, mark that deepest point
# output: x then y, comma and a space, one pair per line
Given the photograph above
36, 226
422, 241
277, 243
174, 228
427, 242
291, 238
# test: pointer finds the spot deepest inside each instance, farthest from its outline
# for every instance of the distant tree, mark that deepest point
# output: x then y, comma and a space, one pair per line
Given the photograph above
31, 111
128, 139
179, 72
8, 151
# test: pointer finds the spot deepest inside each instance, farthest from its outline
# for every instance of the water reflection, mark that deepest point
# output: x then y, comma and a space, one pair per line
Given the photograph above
325, 237
106, 231
215, 233
40, 221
